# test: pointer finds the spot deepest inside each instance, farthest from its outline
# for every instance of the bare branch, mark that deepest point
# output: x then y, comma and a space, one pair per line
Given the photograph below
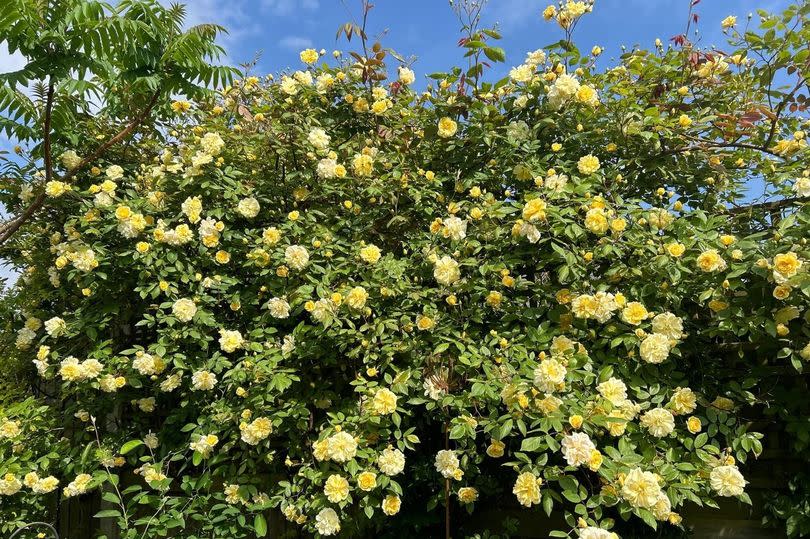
767, 206
778, 111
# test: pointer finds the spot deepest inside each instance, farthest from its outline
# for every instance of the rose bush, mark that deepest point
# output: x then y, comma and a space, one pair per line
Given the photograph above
371, 307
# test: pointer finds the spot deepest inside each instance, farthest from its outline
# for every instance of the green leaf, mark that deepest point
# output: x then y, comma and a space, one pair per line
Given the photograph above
571, 496
260, 525
568, 483
532, 444
496, 54
457, 432
506, 428
548, 503
130, 445
648, 518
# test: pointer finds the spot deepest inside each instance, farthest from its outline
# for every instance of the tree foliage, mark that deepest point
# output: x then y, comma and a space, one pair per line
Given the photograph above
88, 62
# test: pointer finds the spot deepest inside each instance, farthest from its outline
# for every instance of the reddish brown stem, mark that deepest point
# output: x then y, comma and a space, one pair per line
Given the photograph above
46, 141
12, 226
138, 120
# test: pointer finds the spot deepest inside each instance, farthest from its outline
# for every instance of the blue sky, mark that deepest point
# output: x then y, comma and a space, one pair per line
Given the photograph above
429, 30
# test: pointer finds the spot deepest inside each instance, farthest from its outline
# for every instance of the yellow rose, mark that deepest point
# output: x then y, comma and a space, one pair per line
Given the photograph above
363, 165
535, 210
391, 504
496, 449
357, 297
447, 127
123, 213
588, 164
618, 225
587, 95
467, 494
222, 257
596, 221
527, 489
634, 313
727, 239
370, 253
675, 249
424, 323
309, 56
366, 481
781, 292
787, 264
595, 460
494, 298
384, 402
181, 106
710, 261
336, 488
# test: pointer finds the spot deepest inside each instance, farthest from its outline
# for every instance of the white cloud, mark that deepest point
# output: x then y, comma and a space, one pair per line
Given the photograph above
295, 43
288, 7
10, 62
234, 15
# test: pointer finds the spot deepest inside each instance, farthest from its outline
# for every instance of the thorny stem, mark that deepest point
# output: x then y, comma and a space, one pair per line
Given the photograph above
109, 478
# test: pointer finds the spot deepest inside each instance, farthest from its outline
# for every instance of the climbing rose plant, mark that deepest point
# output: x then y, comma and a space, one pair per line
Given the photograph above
375, 308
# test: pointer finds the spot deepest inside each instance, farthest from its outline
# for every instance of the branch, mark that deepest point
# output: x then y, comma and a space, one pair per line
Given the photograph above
138, 120
12, 226
763, 148
768, 206
46, 143
705, 144
779, 110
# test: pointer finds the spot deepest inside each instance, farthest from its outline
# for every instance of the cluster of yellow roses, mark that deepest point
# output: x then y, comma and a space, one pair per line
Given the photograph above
335, 273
